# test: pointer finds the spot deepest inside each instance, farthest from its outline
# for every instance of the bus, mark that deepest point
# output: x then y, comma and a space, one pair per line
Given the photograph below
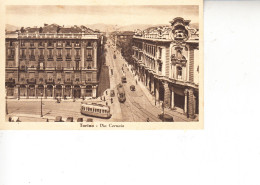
121, 93
95, 110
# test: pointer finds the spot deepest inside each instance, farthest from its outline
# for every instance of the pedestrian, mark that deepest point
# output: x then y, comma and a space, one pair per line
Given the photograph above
104, 98
47, 120
111, 100
106, 103
148, 120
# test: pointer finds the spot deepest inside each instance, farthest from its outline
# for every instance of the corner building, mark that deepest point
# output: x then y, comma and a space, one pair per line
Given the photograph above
50, 63
166, 60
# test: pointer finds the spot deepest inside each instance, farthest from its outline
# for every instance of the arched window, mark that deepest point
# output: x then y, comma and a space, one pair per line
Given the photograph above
179, 55
179, 73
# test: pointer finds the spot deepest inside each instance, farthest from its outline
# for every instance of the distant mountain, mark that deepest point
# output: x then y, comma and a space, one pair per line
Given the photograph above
9, 27
132, 27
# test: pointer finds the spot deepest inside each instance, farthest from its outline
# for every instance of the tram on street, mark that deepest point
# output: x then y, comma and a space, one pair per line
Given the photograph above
95, 110
121, 93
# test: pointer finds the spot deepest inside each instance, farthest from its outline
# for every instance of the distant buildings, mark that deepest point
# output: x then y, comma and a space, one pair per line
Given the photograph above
52, 61
166, 59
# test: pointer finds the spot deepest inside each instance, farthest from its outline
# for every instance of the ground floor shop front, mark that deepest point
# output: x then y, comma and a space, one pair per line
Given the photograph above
51, 91
170, 94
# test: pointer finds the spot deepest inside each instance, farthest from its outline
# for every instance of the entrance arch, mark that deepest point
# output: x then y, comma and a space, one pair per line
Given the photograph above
88, 91
77, 91
49, 91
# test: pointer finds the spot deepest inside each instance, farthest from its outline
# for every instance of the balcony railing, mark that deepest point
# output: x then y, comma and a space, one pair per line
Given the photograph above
10, 57
68, 82
58, 81
40, 81
49, 81
59, 68
89, 58
31, 81
23, 68
10, 80
77, 57
40, 68
77, 68
41, 57
50, 57
68, 57
32, 57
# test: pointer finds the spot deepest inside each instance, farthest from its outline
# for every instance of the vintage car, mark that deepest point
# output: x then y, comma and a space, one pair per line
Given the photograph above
132, 88
58, 119
165, 117
69, 119
80, 120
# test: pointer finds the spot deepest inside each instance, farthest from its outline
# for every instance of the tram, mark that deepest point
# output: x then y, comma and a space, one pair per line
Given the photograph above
121, 93
95, 110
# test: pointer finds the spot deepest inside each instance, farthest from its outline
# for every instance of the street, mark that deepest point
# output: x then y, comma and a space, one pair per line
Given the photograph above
137, 107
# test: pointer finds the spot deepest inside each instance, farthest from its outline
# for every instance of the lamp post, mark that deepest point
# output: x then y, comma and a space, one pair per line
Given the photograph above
6, 108
41, 104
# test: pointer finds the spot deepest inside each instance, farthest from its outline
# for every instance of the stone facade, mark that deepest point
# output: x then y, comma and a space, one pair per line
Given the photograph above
52, 64
164, 61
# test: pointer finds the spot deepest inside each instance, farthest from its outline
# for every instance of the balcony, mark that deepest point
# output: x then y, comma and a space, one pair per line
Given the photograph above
89, 58
32, 46
41, 57
32, 57
31, 81
68, 46
59, 45
10, 57
58, 81
77, 45
40, 81
59, 58
50, 57
77, 68
40, 68
77, 82
49, 81
10, 81
23, 68
68, 81
59, 68
77, 57
178, 60
68, 58
22, 81
23, 57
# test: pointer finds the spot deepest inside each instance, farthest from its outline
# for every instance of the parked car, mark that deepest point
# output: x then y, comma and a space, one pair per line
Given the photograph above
89, 120
69, 119
80, 120
58, 119
132, 88
165, 117
112, 93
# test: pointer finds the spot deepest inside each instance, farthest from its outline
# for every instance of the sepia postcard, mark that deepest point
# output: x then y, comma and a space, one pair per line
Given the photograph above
97, 66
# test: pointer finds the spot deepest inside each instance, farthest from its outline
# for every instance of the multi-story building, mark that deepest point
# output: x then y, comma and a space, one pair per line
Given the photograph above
52, 61
166, 60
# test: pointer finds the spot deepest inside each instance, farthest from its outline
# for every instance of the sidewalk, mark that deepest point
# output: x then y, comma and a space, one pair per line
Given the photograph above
171, 112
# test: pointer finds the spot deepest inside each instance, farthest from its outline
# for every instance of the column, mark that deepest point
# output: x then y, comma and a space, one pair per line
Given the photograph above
172, 103
166, 95
27, 94
94, 91
36, 87
185, 100
191, 110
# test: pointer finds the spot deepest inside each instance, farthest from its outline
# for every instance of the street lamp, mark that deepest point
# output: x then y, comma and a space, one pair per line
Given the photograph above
6, 108
41, 105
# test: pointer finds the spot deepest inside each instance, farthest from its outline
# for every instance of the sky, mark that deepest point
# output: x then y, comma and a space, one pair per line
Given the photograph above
83, 15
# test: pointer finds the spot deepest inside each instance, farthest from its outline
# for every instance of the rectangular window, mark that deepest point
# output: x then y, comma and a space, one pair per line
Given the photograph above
89, 76
49, 76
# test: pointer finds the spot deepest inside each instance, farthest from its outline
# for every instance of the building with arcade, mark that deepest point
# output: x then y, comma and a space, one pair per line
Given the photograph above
166, 60
52, 61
